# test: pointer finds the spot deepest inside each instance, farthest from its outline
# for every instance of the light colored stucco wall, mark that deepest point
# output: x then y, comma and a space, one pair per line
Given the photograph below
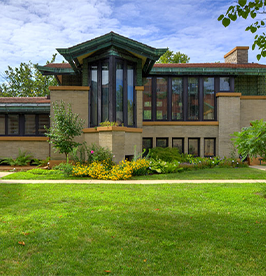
10, 149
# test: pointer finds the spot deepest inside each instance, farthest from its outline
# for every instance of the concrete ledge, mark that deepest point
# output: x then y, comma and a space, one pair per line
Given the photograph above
253, 98
69, 88
23, 138
228, 94
139, 88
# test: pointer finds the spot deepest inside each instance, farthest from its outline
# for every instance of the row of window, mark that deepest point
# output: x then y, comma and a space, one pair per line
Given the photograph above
182, 98
193, 145
24, 124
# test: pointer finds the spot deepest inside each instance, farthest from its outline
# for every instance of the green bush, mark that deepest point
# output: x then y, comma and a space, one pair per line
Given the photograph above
98, 153
23, 159
160, 166
66, 168
167, 154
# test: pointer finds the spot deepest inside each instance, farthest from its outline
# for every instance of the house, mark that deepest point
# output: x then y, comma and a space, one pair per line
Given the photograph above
194, 106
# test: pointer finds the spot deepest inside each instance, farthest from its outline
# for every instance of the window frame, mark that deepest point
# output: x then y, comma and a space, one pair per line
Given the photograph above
165, 138
198, 139
210, 138
180, 138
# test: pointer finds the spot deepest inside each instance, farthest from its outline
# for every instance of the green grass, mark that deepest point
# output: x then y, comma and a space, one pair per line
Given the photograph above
179, 229
215, 173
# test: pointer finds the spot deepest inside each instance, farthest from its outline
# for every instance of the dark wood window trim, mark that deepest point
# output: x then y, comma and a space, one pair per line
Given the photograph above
182, 139
214, 140
198, 139
21, 125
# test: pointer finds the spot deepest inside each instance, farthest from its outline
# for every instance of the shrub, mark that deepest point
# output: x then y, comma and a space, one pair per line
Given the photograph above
167, 154
40, 171
66, 168
98, 153
23, 159
140, 166
122, 171
160, 166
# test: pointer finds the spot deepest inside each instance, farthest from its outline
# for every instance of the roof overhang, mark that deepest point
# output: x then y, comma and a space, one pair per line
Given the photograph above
25, 108
76, 54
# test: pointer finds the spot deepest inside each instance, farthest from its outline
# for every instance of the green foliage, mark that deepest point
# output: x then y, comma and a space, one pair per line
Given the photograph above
162, 167
23, 159
98, 153
140, 166
78, 154
41, 163
243, 9
66, 168
65, 127
108, 123
251, 140
44, 172
167, 154
26, 81
171, 57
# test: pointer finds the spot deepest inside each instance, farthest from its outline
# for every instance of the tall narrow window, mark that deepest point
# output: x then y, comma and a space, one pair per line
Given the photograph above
161, 99
130, 96
119, 93
30, 124
179, 144
147, 99
13, 124
105, 92
193, 99
2, 125
94, 96
225, 84
208, 99
209, 147
43, 121
194, 146
177, 106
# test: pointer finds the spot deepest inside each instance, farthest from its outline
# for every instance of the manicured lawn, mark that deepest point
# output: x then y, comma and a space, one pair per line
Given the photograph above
214, 173
179, 229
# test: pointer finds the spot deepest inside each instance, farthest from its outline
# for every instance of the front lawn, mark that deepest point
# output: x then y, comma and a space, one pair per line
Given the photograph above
178, 229
214, 173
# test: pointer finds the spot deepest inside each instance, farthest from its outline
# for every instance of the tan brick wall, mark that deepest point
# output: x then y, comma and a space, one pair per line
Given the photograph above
237, 55
79, 104
181, 132
228, 113
139, 108
253, 109
38, 149
132, 140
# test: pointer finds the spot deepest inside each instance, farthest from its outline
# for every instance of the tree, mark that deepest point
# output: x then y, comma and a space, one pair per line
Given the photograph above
66, 125
243, 9
171, 57
251, 140
26, 81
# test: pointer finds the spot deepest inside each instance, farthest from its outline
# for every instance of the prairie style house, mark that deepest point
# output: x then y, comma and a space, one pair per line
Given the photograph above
194, 107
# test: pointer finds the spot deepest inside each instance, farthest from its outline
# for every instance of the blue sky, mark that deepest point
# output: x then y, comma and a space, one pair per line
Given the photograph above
32, 29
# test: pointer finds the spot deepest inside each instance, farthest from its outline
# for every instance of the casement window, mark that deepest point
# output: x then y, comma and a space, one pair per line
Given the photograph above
112, 93
23, 124
194, 146
209, 147
179, 144
147, 143
162, 142
188, 98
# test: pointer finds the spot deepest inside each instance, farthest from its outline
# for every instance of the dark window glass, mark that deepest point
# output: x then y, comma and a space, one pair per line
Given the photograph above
225, 84
162, 142
161, 99
94, 98
13, 124
43, 121
178, 143
130, 96
193, 146
105, 92
177, 92
208, 99
30, 125
2, 125
119, 93
147, 99
209, 147
146, 143
193, 99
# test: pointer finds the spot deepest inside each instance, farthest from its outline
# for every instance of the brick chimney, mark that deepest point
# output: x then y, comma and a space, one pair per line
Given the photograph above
238, 55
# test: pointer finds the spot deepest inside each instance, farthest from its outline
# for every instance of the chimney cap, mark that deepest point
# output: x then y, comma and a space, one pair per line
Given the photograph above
235, 49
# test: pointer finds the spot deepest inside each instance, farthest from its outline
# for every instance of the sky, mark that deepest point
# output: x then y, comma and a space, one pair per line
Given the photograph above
31, 30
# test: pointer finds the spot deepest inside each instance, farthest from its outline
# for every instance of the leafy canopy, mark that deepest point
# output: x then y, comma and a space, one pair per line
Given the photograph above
171, 57
26, 81
251, 140
66, 125
243, 9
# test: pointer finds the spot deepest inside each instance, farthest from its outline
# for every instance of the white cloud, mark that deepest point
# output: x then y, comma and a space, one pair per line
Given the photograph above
33, 29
